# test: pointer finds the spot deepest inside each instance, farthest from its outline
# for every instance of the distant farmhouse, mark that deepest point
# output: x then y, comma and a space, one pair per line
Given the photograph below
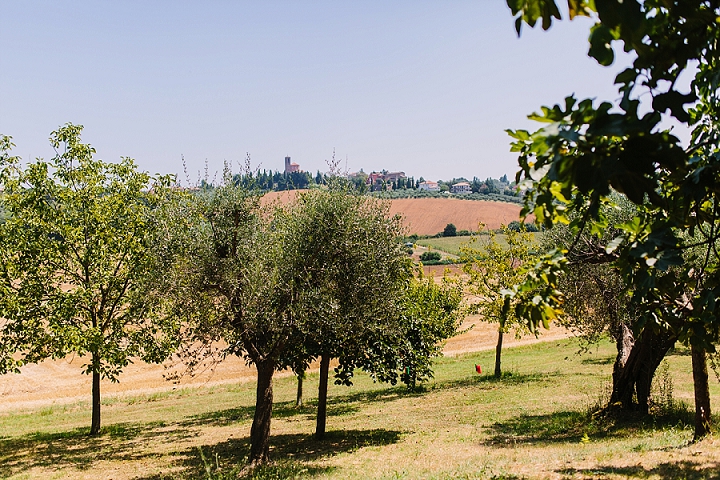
291, 167
383, 180
429, 185
461, 188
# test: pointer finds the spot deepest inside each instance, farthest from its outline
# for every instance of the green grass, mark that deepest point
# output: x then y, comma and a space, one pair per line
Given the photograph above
534, 422
452, 245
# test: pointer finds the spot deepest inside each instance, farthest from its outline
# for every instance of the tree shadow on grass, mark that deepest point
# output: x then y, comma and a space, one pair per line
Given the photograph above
338, 405
670, 470
608, 360
565, 426
128, 442
291, 455
75, 449
576, 426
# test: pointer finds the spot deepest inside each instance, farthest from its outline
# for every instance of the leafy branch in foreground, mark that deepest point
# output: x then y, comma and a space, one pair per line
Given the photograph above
667, 252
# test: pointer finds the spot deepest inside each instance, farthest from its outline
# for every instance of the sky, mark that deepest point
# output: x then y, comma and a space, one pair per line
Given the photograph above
418, 86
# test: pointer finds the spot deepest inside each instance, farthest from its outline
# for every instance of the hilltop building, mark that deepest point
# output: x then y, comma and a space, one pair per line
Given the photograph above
291, 167
376, 180
461, 188
429, 185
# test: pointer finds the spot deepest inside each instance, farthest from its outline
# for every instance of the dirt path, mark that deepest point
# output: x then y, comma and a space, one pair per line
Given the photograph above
61, 381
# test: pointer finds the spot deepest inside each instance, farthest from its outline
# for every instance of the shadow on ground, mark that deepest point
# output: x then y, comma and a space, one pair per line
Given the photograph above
670, 470
578, 426
295, 455
338, 405
75, 449
608, 360
565, 426
127, 442
490, 381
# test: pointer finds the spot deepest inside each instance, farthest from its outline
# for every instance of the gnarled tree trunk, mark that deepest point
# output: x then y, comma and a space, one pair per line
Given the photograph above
634, 378
260, 431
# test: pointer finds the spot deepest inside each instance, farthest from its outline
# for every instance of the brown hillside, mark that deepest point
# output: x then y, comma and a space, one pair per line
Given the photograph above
428, 216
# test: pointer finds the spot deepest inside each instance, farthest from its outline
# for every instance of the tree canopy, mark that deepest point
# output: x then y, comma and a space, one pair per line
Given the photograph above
77, 261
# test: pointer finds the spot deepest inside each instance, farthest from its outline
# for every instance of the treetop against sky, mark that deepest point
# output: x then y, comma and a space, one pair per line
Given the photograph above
423, 87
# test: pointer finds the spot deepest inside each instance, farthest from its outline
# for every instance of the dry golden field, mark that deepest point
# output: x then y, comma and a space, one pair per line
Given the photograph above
428, 216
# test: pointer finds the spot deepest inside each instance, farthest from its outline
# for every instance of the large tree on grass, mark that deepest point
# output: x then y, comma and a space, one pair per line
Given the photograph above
668, 251
597, 301
77, 261
232, 289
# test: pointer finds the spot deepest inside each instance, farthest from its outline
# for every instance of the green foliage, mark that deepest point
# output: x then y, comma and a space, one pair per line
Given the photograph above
351, 284
589, 150
668, 251
450, 230
430, 257
492, 268
77, 259
431, 315
517, 226
230, 281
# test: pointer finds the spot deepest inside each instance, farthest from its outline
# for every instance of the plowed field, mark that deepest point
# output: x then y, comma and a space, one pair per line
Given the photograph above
428, 216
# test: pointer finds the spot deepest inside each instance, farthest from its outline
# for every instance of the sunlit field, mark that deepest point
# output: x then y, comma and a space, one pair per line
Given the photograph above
534, 422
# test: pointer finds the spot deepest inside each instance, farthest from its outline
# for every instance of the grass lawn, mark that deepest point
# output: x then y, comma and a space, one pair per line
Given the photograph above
452, 245
532, 423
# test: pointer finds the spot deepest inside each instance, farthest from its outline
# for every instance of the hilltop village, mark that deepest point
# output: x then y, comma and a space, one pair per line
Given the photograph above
390, 184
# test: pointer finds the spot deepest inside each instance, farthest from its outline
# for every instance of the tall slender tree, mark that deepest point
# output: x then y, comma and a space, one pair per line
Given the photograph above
491, 268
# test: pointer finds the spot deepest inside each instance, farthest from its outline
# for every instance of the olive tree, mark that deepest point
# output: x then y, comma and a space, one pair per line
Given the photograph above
350, 281
232, 289
77, 261
597, 301
359, 301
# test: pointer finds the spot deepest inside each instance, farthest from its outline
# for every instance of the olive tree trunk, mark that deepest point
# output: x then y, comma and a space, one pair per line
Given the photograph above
299, 396
633, 379
702, 391
260, 431
624, 342
322, 397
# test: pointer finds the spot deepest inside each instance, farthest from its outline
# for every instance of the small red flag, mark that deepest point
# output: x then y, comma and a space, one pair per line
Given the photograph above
478, 368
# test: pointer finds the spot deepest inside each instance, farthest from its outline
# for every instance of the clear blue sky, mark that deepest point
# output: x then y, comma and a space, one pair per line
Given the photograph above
425, 87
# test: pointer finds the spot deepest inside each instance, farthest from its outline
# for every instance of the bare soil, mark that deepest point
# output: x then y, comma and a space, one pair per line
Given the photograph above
61, 381
428, 216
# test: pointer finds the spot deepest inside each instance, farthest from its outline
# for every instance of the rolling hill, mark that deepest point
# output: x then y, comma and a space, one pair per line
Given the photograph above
428, 216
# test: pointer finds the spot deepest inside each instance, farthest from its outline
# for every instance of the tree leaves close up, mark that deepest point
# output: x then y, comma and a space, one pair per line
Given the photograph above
588, 150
